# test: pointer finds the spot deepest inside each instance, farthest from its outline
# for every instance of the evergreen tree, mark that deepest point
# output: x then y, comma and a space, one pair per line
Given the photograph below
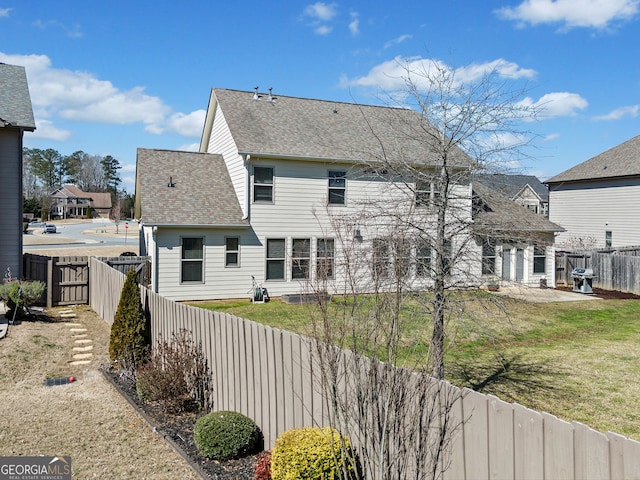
130, 333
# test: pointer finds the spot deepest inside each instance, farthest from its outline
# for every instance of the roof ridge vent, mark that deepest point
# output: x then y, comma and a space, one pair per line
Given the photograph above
255, 95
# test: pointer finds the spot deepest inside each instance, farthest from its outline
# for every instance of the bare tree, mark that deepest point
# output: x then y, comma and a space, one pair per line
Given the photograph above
397, 255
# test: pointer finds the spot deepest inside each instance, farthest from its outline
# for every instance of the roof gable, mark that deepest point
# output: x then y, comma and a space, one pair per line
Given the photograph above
184, 188
298, 128
620, 161
15, 102
496, 214
513, 185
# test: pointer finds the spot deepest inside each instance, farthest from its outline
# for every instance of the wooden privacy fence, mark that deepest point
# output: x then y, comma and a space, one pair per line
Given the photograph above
613, 270
67, 278
272, 376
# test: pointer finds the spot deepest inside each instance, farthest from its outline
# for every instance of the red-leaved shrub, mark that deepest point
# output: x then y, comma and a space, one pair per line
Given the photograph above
262, 470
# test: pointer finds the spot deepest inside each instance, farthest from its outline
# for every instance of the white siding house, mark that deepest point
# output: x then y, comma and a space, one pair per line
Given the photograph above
596, 200
16, 117
284, 186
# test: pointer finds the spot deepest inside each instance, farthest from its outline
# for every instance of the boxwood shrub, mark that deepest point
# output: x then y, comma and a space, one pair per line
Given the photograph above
225, 435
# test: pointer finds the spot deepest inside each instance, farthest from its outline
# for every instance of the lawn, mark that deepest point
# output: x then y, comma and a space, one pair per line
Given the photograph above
577, 360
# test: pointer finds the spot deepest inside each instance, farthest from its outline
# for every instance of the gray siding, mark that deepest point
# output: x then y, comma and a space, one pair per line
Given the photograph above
11, 200
588, 210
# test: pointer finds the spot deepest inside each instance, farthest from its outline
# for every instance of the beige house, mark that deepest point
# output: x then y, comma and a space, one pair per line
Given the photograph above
69, 201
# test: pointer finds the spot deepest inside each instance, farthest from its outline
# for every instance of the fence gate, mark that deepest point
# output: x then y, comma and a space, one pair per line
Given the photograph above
66, 278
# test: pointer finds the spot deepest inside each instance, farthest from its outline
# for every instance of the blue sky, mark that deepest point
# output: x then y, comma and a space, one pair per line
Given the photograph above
110, 77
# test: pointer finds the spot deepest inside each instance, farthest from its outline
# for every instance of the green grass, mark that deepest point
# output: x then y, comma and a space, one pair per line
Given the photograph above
577, 360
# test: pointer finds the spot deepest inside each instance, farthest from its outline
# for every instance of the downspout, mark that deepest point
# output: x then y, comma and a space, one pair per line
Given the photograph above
247, 195
154, 230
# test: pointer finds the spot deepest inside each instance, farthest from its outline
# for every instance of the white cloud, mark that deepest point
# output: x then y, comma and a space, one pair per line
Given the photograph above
599, 14
189, 147
185, 124
397, 41
354, 25
320, 11
551, 137
71, 32
4, 12
391, 75
45, 129
82, 97
556, 104
323, 30
631, 111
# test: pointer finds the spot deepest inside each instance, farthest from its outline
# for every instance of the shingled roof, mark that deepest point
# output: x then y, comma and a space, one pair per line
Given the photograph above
15, 102
620, 161
300, 128
497, 215
512, 185
201, 194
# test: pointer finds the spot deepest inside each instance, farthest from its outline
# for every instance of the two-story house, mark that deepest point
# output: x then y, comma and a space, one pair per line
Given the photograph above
285, 189
595, 201
525, 190
69, 201
16, 117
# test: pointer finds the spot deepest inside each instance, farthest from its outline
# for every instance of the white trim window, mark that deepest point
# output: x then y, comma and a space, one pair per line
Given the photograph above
488, 259
423, 259
232, 251
539, 259
300, 258
192, 260
337, 187
276, 251
325, 258
263, 184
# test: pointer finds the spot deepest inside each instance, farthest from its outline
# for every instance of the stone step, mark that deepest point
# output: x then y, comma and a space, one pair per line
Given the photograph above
80, 335
80, 362
78, 329
82, 356
83, 340
67, 315
71, 324
83, 349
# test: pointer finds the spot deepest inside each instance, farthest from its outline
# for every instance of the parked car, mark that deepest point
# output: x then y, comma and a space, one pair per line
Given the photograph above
49, 228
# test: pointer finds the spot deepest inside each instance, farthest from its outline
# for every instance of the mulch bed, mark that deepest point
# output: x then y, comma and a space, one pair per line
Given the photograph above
178, 431
606, 294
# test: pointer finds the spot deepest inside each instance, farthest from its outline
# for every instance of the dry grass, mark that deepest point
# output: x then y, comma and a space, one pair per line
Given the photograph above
88, 419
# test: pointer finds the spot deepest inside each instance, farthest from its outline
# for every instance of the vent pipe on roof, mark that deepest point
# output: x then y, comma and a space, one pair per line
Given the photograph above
255, 95
271, 99
335, 108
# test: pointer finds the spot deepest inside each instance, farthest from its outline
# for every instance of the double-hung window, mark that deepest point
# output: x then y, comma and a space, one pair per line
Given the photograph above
192, 260
276, 250
337, 187
539, 259
325, 258
423, 259
232, 252
263, 184
300, 258
488, 259
422, 193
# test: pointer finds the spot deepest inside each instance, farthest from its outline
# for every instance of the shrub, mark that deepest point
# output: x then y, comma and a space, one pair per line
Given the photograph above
129, 342
176, 376
262, 469
312, 452
20, 295
225, 435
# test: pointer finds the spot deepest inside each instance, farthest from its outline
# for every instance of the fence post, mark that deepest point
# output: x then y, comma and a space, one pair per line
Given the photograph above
50, 282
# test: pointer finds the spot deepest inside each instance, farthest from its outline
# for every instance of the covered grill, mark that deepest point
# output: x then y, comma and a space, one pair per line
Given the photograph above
582, 280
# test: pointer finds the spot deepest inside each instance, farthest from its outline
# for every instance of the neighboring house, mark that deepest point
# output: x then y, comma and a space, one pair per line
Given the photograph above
16, 117
596, 201
525, 190
263, 200
69, 201
518, 244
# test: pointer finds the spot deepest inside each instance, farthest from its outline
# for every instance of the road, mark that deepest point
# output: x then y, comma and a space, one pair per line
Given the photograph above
73, 234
